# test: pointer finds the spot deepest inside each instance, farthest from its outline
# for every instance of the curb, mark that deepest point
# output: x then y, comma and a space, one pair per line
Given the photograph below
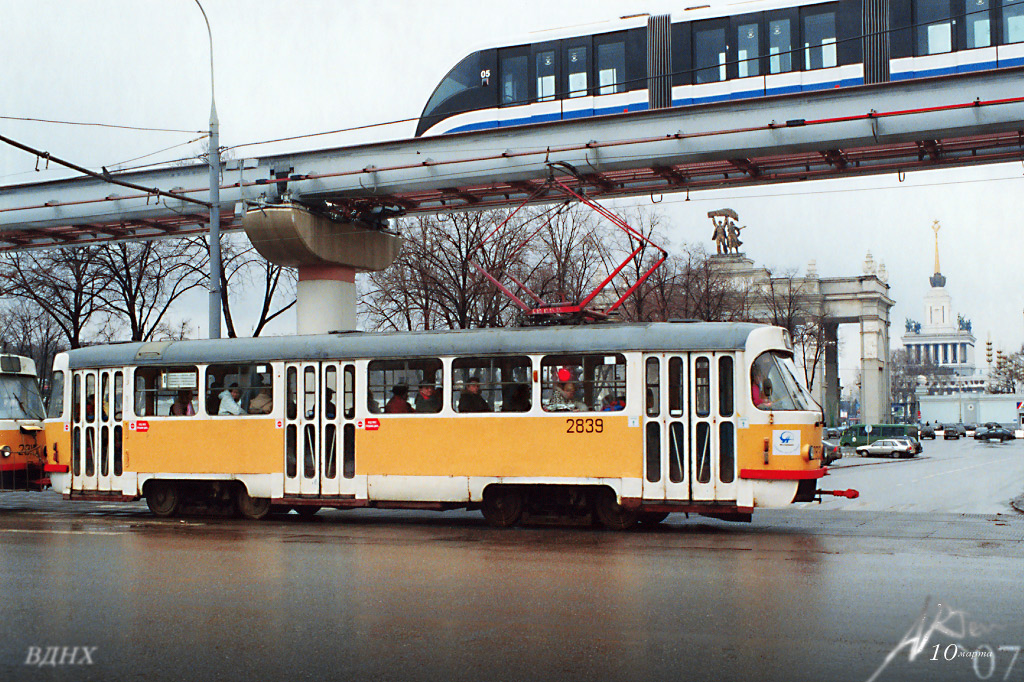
1018, 504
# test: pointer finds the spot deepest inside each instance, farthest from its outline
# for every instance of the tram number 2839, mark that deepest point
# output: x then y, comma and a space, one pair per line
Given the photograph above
584, 426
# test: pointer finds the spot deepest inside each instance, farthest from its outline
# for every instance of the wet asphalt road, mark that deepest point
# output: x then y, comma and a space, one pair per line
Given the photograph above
799, 594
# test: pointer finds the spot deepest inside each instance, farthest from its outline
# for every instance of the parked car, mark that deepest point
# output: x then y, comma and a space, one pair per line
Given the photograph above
970, 429
927, 431
993, 431
833, 433
953, 431
887, 447
914, 443
831, 451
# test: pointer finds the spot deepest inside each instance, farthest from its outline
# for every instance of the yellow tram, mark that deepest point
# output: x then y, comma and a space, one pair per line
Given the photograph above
21, 424
629, 422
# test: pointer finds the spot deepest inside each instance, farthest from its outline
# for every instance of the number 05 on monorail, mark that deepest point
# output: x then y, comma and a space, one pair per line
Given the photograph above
627, 422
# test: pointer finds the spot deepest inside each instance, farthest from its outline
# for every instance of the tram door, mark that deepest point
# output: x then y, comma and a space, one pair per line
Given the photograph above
96, 430
690, 437
666, 470
713, 429
320, 429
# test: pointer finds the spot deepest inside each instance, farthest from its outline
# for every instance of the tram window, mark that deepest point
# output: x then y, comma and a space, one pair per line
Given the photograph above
653, 452
1013, 21
774, 384
309, 451
76, 398
407, 385
330, 397
290, 438
514, 80
726, 452
934, 27
702, 453
676, 387
118, 396
104, 450
55, 400
578, 71
330, 451
979, 27
105, 404
252, 383
118, 456
90, 397
725, 386
748, 49
499, 384
676, 451
90, 450
780, 46
293, 390
157, 388
709, 54
349, 450
581, 383
653, 388
76, 449
611, 67
819, 40
350, 392
702, 388
546, 76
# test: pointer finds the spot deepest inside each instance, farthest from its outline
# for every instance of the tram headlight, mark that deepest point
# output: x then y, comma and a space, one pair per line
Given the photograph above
5, 451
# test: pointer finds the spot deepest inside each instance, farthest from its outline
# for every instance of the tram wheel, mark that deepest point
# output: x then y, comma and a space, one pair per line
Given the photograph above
502, 506
254, 508
162, 498
651, 519
611, 514
306, 511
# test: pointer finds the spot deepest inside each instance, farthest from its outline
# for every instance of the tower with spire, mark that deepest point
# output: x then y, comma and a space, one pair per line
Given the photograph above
942, 339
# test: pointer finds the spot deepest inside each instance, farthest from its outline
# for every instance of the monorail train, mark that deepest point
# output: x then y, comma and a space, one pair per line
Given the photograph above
21, 424
744, 50
625, 422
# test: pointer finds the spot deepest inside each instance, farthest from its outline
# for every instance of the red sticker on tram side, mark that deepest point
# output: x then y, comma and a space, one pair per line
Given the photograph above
142, 427
372, 424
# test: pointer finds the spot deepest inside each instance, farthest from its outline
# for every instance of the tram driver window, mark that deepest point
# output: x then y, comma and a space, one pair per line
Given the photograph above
583, 383
239, 389
774, 384
405, 386
491, 384
157, 389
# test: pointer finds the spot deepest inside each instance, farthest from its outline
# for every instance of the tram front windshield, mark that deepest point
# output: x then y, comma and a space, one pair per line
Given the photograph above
19, 397
775, 386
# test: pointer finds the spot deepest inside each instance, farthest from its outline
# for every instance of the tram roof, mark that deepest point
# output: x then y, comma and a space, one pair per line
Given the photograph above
655, 337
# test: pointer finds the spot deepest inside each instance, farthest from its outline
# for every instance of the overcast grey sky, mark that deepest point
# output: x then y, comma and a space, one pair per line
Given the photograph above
304, 66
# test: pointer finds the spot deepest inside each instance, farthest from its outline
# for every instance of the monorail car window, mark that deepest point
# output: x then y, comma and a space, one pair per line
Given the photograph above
249, 379
709, 52
748, 49
502, 384
611, 65
933, 21
1013, 21
978, 23
55, 400
514, 77
401, 381
578, 68
545, 64
464, 76
819, 34
156, 388
780, 45
578, 383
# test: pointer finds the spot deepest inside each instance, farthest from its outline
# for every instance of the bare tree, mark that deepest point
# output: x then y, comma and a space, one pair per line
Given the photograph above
25, 329
146, 278
65, 284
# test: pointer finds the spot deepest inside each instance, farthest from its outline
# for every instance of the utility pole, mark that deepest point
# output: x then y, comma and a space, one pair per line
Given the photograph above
214, 158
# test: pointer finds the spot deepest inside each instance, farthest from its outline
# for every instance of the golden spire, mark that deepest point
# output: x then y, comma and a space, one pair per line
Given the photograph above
936, 227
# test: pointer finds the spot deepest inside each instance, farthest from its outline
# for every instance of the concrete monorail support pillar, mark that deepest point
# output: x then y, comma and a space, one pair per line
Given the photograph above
327, 253
831, 402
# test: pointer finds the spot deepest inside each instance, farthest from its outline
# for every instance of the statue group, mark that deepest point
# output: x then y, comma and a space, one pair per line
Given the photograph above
727, 232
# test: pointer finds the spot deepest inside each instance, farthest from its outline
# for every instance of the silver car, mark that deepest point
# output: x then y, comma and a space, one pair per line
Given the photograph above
888, 447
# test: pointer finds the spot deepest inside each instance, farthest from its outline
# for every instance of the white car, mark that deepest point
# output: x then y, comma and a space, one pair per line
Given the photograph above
887, 447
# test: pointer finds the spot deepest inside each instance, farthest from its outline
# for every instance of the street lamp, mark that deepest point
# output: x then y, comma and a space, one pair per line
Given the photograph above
214, 158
